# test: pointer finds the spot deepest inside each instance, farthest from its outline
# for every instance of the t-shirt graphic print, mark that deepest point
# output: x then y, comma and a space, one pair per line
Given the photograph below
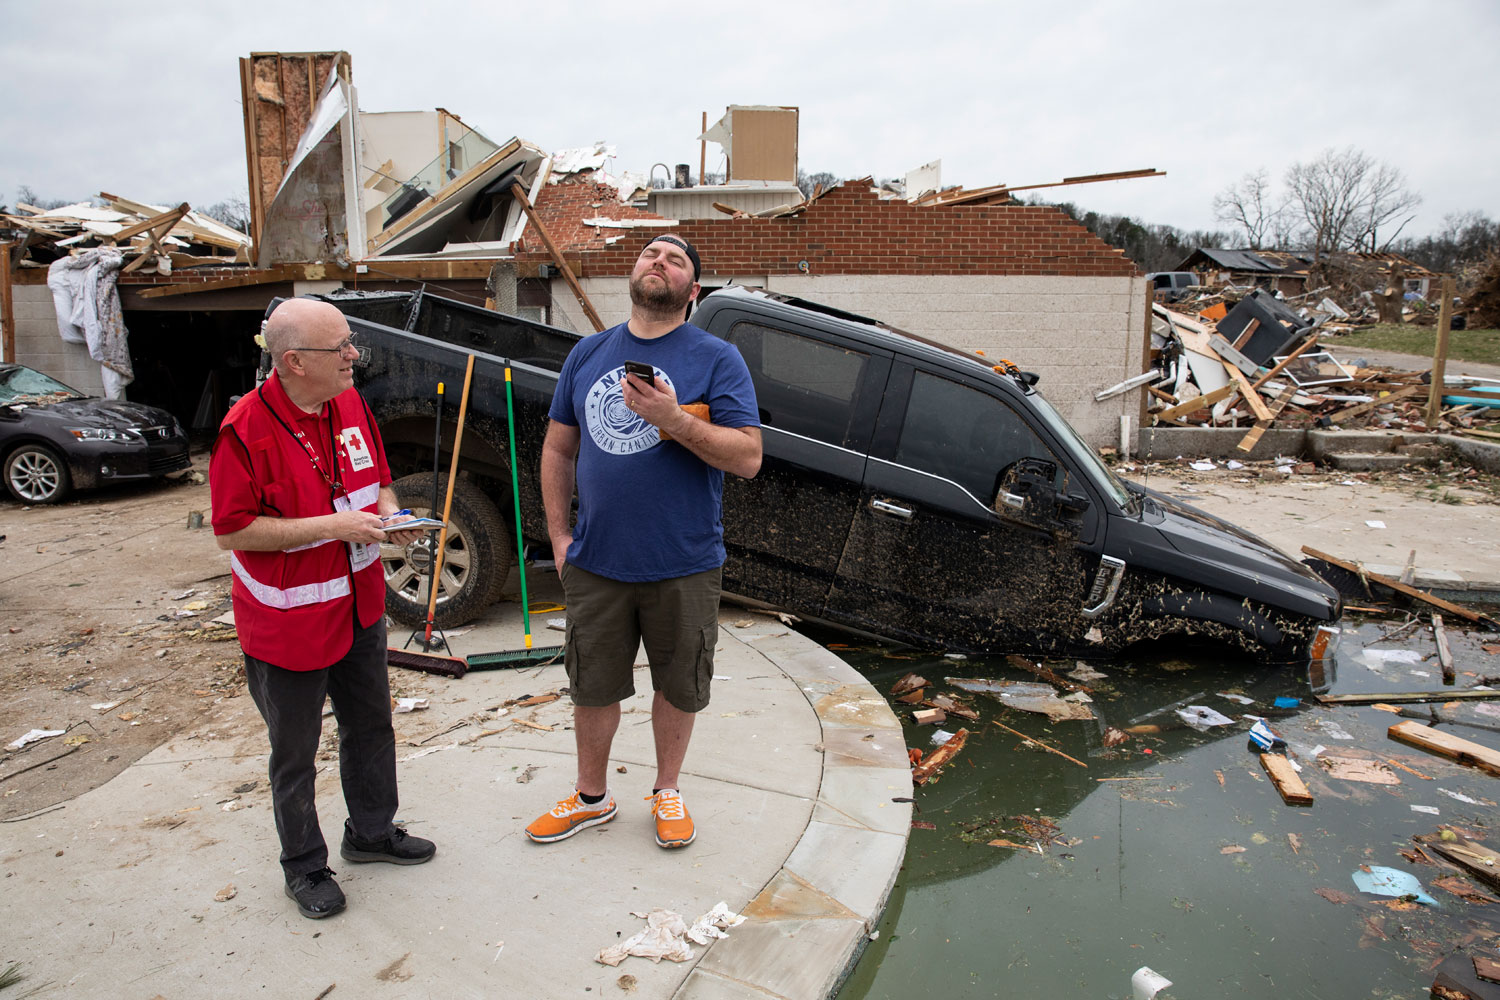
612, 425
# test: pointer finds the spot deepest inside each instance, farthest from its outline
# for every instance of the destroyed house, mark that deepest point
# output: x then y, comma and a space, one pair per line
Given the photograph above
340, 197
1286, 271
1016, 282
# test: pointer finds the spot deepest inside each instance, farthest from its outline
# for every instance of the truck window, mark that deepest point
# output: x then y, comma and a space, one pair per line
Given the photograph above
964, 435
802, 385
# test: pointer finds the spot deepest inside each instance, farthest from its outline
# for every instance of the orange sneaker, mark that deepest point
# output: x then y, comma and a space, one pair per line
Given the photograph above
674, 827
569, 816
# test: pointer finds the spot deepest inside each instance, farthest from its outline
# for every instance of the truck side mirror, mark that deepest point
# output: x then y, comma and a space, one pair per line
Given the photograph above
1074, 503
1027, 486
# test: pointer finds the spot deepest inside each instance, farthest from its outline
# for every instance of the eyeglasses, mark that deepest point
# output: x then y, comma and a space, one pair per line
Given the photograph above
340, 348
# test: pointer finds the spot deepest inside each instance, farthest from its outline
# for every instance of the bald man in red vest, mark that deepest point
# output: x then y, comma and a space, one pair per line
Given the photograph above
302, 498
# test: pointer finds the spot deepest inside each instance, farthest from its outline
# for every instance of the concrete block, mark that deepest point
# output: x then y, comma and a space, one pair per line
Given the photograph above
1356, 462
1438, 579
1215, 442
855, 867
861, 797
792, 959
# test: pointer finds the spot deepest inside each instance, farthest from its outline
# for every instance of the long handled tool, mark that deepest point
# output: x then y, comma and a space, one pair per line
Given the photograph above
518, 657
451, 666
458, 440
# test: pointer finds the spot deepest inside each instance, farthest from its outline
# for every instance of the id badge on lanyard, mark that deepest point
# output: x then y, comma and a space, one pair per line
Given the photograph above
361, 554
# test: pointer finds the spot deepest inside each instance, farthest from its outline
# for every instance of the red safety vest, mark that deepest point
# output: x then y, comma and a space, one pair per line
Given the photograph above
293, 608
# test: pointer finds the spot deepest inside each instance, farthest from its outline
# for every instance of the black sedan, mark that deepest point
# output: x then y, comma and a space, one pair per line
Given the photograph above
54, 439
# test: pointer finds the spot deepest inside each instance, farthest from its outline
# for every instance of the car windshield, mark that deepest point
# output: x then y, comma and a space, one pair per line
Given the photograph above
1087, 455
20, 384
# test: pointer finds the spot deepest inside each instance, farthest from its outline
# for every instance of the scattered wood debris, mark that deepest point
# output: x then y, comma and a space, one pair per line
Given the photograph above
908, 684
1238, 357
927, 768
1286, 780
1447, 745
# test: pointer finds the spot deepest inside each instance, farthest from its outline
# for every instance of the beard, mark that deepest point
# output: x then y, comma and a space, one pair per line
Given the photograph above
662, 298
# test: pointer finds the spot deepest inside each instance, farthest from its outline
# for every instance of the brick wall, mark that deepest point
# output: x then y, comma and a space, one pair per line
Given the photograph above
847, 231
39, 346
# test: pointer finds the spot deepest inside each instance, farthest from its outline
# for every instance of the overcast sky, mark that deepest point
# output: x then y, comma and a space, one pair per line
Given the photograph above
144, 103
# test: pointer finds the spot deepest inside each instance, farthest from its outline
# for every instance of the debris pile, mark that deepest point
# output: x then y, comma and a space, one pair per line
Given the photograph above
1258, 364
150, 237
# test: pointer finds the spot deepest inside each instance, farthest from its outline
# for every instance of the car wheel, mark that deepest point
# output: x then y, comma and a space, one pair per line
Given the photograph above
35, 473
477, 556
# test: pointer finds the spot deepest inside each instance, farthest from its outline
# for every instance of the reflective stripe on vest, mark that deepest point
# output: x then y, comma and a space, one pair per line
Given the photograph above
291, 597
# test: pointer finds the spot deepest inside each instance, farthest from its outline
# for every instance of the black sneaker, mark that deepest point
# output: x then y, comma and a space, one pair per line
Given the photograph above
316, 893
397, 847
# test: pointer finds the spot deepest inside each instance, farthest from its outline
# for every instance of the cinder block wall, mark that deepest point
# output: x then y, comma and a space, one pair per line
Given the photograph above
610, 298
1080, 335
39, 346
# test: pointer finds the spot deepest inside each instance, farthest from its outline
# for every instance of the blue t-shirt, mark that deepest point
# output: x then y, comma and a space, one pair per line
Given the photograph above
648, 509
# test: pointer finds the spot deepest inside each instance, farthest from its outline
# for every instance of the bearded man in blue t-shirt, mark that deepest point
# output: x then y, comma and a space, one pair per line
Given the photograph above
645, 560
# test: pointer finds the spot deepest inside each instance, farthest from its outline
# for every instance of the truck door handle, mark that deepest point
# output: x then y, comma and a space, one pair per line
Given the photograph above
1013, 500
890, 508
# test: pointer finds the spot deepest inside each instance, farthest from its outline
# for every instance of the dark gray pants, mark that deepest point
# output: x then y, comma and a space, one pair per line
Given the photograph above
291, 702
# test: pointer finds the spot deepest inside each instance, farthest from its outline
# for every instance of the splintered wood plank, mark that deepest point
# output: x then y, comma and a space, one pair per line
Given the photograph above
1446, 745
1401, 588
935, 761
1359, 408
1306, 344
1287, 781
1444, 655
1249, 441
1198, 402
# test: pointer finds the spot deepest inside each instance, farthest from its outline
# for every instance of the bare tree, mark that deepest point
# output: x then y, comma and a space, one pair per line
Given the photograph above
1348, 201
1250, 206
233, 211
812, 183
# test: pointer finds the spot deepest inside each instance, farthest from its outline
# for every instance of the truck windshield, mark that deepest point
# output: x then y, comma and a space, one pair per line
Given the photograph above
1086, 455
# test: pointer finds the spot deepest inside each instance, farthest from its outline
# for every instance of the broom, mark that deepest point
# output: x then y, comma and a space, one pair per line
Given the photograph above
516, 657
427, 662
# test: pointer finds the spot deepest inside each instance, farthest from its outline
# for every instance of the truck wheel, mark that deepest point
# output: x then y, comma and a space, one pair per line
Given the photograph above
476, 560
35, 473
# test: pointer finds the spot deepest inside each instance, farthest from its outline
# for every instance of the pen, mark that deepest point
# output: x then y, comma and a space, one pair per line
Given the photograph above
399, 513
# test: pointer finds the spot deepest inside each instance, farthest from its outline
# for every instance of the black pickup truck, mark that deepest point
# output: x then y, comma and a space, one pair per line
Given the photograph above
908, 490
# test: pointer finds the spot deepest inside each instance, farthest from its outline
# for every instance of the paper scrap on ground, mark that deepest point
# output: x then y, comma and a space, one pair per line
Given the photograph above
1375, 524
409, 705
1201, 717
34, 735
1429, 810
1204, 466
1084, 672
666, 935
1384, 881
1333, 729
1459, 796
1371, 772
1393, 655
1241, 699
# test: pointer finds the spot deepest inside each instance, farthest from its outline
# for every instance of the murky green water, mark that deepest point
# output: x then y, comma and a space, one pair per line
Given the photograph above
1137, 873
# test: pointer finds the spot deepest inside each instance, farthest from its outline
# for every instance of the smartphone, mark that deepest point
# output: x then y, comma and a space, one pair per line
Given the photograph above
644, 372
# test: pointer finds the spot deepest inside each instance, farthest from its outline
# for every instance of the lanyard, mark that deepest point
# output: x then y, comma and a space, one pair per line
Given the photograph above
335, 443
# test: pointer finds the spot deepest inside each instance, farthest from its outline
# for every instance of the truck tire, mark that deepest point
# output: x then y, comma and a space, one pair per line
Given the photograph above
477, 557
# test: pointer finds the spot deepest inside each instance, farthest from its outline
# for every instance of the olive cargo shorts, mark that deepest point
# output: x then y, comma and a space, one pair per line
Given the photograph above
608, 620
